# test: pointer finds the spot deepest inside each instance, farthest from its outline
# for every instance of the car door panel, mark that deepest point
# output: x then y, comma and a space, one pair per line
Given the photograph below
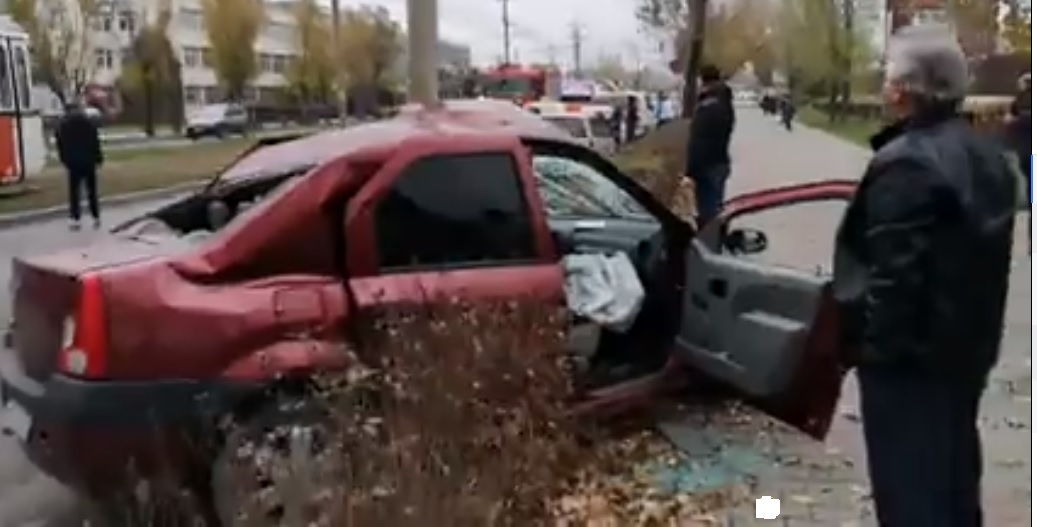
641, 241
770, 332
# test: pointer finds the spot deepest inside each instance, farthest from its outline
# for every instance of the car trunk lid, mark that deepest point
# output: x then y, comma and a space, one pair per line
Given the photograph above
46, 292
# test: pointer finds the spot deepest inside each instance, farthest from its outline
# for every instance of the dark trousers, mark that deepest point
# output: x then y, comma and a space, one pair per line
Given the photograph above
710, 190
80, 179
924, 453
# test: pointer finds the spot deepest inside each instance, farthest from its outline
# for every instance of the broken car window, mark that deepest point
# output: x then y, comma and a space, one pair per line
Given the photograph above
455, 210
570, 188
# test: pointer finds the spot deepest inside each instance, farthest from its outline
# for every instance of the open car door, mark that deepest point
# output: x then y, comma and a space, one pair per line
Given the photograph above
769, 332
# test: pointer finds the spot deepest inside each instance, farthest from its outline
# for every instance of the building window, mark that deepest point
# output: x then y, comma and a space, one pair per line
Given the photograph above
128, 22
194, 95
105, 58
194, 58
103, 23
192, 19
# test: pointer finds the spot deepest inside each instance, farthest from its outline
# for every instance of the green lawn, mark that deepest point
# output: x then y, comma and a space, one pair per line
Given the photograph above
858, 131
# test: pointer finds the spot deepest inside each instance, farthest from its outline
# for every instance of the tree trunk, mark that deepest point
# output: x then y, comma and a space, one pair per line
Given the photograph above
149, 108
696, 44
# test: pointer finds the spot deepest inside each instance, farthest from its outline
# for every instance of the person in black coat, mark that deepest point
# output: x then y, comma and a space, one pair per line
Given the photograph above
708, 162
633, 119
922, 264
79, 150
1020, 133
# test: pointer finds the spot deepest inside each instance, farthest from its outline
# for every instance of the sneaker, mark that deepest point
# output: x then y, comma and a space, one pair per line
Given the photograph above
74, 225
97, 223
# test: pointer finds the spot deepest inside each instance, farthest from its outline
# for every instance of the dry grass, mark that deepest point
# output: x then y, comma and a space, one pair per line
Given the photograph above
459, 419
656, 162
130, 171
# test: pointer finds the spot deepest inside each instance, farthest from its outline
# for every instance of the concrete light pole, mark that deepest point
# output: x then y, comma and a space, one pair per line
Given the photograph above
422, 52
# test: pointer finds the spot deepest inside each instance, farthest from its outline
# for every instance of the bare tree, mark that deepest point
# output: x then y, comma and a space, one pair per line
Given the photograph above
62, 47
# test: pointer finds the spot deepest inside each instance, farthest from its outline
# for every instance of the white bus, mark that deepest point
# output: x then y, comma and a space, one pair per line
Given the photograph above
23, 148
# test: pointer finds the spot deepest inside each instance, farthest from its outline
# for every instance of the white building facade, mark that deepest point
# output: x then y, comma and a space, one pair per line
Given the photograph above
276, 47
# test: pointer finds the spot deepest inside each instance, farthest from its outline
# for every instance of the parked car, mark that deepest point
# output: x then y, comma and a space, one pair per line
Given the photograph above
198, 310
218, 120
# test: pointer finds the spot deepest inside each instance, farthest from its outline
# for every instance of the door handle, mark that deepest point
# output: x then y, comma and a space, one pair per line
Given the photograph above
589, 225
718, 287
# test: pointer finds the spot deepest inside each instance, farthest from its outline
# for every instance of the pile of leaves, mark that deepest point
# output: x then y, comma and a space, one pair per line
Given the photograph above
459, 418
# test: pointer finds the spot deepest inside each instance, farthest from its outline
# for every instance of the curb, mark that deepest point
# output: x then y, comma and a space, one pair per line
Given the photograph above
19, 219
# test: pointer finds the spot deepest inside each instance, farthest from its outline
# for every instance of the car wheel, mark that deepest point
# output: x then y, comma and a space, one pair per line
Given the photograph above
273, 466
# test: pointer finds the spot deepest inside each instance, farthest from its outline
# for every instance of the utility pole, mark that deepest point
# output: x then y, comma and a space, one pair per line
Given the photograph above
506, 27
336, 41
422, 55
696, 42
577, 36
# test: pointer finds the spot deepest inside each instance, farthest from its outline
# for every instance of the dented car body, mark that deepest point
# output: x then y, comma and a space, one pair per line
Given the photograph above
196, 310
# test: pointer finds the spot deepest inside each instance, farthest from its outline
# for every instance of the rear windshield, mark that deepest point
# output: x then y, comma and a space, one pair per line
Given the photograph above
574, 125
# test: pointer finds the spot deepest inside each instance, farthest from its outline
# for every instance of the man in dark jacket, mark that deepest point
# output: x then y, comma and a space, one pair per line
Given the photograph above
921, 268
1020, 134
633, 118
709, 159
79, 149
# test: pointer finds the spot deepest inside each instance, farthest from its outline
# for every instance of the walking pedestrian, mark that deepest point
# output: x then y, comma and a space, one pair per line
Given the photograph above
666, 109
616, 124
709, 161
788, 111
633, 118
79, 150
921, 267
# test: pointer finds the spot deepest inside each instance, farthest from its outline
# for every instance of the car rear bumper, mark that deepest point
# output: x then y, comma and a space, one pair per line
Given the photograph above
90, 434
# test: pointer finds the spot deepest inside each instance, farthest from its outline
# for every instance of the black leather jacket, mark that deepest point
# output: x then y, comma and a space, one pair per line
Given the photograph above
924, 252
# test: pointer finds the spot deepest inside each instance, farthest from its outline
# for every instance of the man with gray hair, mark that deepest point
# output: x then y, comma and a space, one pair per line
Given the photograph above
921, 270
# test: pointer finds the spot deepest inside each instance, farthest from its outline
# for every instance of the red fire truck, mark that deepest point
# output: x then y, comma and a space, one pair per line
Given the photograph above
522, 84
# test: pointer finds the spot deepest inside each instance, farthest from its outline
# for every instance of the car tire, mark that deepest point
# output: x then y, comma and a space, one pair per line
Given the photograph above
288, 431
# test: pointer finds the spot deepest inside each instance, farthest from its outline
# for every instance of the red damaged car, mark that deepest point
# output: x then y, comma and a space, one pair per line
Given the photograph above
202, 309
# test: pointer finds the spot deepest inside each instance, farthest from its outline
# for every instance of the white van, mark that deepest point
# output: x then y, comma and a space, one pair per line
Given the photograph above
589, 125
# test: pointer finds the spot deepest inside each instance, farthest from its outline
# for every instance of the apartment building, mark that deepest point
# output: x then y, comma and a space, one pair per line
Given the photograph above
276, 47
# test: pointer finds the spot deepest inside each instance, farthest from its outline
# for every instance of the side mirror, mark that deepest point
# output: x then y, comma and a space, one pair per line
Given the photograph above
745, 241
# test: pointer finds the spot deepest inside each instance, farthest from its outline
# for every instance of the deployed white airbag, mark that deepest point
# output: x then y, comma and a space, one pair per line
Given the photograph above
603, 288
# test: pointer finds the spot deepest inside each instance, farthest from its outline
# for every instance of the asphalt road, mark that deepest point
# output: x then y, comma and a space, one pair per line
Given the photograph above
27, 497
825, 484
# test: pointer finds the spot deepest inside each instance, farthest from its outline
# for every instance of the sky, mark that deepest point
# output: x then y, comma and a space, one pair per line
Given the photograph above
541, 29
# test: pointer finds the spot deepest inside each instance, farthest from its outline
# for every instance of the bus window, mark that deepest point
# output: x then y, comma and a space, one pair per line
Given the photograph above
21, 60
6, 95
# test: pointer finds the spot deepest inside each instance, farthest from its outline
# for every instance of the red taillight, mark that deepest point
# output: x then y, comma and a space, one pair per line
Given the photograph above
86, 355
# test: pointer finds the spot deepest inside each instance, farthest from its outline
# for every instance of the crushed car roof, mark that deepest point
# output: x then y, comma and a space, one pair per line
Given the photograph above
459, 118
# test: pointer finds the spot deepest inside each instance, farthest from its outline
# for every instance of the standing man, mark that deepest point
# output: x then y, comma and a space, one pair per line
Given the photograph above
79, 150
666, 111
1020, 132
921, 267
633, 118
709, 160
788, 110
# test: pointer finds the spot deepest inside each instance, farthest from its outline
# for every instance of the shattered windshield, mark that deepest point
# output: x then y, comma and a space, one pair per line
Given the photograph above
569, 188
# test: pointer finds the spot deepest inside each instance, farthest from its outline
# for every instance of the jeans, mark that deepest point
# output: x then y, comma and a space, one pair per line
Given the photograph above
710, 188
924, 453
79, 179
